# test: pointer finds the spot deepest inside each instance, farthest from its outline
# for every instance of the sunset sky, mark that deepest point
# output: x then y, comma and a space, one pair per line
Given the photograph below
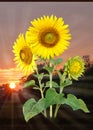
15, 18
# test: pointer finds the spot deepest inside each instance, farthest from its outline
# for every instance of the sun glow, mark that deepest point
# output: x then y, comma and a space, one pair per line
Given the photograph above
12, 85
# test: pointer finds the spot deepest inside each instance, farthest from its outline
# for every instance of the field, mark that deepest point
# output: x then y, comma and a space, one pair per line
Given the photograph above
11, 116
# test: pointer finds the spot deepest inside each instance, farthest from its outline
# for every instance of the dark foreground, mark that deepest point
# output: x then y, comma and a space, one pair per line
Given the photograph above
11, 116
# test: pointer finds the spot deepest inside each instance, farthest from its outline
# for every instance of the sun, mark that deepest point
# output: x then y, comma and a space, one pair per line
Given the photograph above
12, 85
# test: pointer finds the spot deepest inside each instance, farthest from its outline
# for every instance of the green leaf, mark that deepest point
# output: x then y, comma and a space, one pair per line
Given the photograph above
56, 61
75, 103
49, 69
36, 75
83, 106
46, 75
67, 82
36, 88
72, 101
29, 83
27, 107
47, 84
54, 84
39, 76
32, 108
52, 97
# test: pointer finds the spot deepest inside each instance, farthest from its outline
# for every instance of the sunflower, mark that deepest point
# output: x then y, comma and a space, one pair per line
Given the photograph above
48, 36
24, 58
75, 67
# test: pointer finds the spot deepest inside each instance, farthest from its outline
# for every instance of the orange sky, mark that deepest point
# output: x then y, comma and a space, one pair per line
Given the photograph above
8, 75
15, 18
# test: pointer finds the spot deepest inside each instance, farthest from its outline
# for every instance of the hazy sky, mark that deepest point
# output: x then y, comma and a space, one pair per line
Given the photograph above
15, 18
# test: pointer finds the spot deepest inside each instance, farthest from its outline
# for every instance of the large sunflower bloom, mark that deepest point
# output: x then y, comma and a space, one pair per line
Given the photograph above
48, 36
75, 67
24, 58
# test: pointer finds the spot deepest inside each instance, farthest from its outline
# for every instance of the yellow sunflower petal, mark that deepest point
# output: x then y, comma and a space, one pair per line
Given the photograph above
75, 67
24, 57
46, 34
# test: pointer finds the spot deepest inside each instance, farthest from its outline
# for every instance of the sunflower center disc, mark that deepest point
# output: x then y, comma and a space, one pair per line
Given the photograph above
49, 37
26, 55
75, 67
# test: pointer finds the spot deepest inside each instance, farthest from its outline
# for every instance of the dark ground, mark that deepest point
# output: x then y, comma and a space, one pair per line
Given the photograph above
11, 116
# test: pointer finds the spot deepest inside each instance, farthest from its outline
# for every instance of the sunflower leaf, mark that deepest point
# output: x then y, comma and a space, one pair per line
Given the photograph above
49, 69
83, 105
54, 84
39, 76
56, 61
47, 84
52, 97
66, 83
31, 108
29, 83
75, 103
36, 88
27, 107
46, 75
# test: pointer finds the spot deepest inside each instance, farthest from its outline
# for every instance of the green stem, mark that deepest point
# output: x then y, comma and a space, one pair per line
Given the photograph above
41, 91
51, 113
57, 106
63, 79
56, 110
61, 89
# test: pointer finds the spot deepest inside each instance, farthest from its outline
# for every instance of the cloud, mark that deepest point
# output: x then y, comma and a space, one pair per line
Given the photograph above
7, 75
